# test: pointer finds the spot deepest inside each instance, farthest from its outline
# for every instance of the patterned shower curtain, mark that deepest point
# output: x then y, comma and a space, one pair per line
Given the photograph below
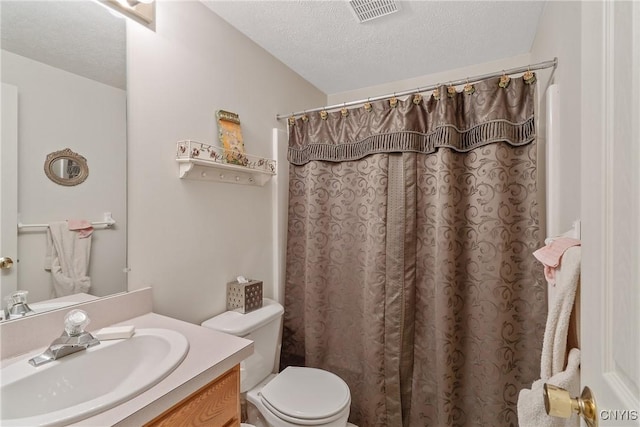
409, 267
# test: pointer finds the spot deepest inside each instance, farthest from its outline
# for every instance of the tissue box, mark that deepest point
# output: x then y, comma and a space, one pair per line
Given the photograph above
244, 297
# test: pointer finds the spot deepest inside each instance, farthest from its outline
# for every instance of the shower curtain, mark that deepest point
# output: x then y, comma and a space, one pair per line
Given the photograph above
409, 268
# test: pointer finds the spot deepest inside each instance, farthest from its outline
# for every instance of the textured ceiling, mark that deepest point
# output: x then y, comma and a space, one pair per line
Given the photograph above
319, 39
81, 37
323, 42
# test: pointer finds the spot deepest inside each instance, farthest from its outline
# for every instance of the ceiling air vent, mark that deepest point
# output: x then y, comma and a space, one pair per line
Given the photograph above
366, 10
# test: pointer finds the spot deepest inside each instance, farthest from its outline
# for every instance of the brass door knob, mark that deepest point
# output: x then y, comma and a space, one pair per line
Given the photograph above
6, 263
559, 403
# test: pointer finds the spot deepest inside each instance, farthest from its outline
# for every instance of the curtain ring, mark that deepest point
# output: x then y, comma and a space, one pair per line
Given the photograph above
324, 115
436, 93
367, 105
469, 89
305, 118
393, 102
417, 98
529, 77
292, 120
451, 90
504, 80
344, 110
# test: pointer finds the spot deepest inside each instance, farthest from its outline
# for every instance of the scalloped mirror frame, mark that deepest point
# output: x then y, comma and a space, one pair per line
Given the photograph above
66, 154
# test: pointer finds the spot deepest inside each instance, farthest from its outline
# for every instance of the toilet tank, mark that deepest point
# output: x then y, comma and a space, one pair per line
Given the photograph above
262, 326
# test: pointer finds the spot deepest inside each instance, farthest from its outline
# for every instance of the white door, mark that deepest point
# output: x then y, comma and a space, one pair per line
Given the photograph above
610, 288
9, 190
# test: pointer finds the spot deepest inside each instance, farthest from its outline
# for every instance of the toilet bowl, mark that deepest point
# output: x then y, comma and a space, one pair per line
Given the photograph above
295, 397
302, 397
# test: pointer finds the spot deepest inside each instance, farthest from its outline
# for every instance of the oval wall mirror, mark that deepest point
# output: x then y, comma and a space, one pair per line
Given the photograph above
66, 167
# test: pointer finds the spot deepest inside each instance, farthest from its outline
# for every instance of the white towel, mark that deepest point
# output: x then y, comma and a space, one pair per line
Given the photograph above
531, 410
68, 260
554, 346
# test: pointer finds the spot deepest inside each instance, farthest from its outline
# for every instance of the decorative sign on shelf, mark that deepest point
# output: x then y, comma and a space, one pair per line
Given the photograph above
230, 136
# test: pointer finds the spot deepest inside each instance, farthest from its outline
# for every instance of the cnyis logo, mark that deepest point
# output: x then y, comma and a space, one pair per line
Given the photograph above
619, 415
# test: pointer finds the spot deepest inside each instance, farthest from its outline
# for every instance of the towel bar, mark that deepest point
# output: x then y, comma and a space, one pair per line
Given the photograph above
107, 222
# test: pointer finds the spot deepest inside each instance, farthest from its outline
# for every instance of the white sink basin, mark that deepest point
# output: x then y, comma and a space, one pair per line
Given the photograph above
88, 382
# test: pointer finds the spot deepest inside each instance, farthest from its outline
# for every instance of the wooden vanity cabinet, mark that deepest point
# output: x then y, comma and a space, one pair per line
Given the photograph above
215, 405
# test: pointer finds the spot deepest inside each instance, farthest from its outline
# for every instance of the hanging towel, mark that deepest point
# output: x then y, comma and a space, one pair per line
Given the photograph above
531, 412
551, 254
68, 259
554, 347
82, 226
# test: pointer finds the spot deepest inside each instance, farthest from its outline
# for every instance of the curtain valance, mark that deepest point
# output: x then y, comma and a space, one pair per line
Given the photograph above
485, 113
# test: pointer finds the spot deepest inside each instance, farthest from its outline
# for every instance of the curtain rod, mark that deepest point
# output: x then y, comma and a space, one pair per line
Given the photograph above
539, 66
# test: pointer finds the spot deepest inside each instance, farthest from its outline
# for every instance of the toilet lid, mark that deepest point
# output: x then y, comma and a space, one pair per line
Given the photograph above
298, 394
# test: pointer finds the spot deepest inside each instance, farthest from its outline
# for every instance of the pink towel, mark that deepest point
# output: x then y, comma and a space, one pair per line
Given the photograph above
82, 226
551, 254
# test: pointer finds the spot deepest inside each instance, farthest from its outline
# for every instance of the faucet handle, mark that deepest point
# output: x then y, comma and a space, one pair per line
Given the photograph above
16, 305
20, 297
17, 297
75, 321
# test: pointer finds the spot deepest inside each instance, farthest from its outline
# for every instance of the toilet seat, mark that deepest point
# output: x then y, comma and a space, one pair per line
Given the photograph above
306, 396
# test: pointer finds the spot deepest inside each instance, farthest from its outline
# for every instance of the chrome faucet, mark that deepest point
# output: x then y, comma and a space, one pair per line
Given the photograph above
17, 305
73, 339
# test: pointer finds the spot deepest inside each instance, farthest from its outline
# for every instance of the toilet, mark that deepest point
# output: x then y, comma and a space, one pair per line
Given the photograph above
295, 397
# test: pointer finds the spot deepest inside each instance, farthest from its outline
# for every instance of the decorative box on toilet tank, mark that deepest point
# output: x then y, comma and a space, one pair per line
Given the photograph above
244, 297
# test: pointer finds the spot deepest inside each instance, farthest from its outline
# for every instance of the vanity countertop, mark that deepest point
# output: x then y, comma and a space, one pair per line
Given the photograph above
210, 355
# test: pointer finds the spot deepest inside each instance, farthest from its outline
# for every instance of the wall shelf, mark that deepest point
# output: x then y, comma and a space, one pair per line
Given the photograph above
206, 162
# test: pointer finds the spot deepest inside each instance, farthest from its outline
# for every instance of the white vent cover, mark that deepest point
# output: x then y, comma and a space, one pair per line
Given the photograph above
366, 10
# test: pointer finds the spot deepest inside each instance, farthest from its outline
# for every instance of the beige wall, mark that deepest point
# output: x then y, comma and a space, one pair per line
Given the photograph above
558, 36
187, 238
